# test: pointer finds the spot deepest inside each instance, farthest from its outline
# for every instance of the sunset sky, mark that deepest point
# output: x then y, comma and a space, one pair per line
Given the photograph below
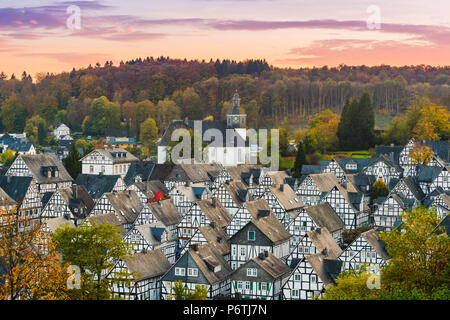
35, 37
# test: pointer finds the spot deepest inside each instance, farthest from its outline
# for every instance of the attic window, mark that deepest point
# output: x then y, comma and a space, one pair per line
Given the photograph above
251, 235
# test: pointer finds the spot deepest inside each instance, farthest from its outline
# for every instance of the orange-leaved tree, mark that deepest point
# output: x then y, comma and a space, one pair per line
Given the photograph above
29, 264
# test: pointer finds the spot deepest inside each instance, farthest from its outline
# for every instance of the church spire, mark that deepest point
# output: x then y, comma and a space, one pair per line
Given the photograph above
234, 118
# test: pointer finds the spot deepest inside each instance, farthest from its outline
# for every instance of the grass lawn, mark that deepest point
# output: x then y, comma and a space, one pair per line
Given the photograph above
362, 154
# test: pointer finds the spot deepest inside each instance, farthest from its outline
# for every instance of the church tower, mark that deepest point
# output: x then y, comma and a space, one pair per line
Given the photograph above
234, 119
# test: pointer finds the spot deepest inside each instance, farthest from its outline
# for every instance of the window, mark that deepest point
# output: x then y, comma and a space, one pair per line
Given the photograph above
233, 251
247, 285
91, 169
251, 235
313, 279
263, 286
297, 277
180, 271
295, 293
252, 272
103, 169
239, 284
192, 272
242, 251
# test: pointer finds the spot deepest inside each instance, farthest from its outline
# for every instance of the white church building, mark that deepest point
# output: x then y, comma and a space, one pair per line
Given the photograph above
227, 141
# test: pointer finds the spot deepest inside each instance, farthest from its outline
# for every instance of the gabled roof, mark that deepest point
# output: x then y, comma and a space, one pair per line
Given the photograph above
360, 163
98, 184
152, 232
126, 204
325, 243
439, 147
278, 177
327, 269
415, 189
166, 212
427, 174
374, 240
148, 264
81, 198
272, 265
393, 153
116, 155
325, 181
269, 225
287, 197
236, 189
196, 172
217, 214
445, 225
207, 258
16, 187
55, 223
217, 238
144, 169
308, 169
109, 218
161, 171
35, 163
324, 216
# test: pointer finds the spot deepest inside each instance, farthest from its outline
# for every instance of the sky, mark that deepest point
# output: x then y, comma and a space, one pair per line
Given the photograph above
55, 36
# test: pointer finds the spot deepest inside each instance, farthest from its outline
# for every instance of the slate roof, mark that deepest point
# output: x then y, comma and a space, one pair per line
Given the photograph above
144, 169
77, 197
445, 225
161, 171
325, 243
206, 258
217, 238
268, 224
415, 189
218, 214
55, 223
360, 163
374, 240
275, 267
308, 169
393, 153
440, 148
152, 232
324, 216
165, 212
98, 184
237, 190
16, 187
427, 174
287, 197
324, 181
109, 218
148, 264
126, 204
36, 163
327, 269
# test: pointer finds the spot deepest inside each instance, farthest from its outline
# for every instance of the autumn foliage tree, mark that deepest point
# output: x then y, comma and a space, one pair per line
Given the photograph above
29, 263
182, 293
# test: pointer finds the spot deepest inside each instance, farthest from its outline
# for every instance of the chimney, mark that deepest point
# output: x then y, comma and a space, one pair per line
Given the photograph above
219, 239
261, 255
213, 202
266, 253
212, 224
318, 230
74, 191
324, 251
194, 246
282, 187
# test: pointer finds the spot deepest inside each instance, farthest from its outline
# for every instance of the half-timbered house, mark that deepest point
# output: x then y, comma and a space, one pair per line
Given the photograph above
260, 278
200, 265
25, 194
314, 185
384, 169
232, 195
318, 250
98, 185
46, 169
284, 202
144, 270
202, 213
388, 210
184, 197
107, 161
367, 249
263, 233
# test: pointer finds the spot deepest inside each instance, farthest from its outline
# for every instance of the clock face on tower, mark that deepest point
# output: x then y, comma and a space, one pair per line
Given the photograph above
235, 118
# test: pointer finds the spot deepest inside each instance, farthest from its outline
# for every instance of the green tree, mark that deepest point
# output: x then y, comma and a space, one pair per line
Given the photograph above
103, 114
182, 293
300, 160
95, 249
379, 189
72, 162
149, 133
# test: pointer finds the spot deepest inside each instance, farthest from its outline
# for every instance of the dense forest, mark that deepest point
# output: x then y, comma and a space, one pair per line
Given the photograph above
166, 89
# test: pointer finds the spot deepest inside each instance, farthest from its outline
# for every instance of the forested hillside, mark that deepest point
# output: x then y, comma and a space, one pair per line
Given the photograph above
166, 89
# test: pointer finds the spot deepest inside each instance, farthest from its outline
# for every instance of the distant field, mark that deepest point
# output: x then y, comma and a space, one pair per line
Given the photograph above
348, 154
286, 162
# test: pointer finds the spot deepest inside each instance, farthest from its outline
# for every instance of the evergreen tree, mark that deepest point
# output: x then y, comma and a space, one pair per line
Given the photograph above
72, 162
42, 133
366, 121
300, 160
